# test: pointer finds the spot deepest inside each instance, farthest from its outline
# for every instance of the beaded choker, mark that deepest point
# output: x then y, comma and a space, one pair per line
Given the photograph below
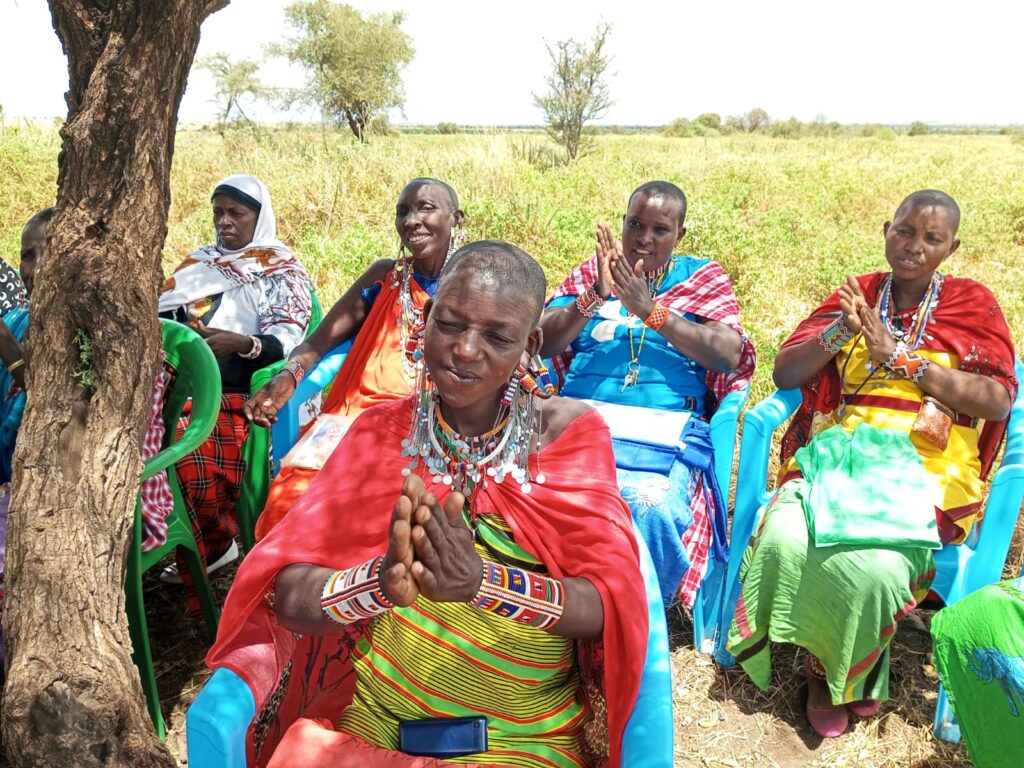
466, 462
656, 273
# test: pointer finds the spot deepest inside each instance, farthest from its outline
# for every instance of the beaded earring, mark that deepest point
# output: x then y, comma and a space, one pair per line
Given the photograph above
511, 393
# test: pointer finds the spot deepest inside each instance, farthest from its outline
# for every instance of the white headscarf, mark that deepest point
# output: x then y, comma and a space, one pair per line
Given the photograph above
212, 270
265, 235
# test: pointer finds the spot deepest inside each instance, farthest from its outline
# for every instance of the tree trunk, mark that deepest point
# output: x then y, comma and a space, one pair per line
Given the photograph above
73, 695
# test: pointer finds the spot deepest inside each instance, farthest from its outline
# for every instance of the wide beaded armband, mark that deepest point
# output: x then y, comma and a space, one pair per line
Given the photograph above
907, 364
516, 594
834, 336
354, 593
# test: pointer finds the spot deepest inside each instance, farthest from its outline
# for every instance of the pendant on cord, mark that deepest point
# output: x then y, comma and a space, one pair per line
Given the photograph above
632, 374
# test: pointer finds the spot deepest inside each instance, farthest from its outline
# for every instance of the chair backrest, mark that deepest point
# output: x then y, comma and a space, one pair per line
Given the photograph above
197, 377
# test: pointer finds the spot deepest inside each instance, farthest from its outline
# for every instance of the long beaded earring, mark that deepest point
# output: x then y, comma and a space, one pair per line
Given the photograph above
511, 394
455, 241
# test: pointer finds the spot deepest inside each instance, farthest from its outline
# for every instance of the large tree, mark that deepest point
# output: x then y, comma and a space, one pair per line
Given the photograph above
73, 695
577, 89
353, 61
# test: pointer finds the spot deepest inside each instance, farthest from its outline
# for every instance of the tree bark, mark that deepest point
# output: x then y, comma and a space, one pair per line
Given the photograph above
73, 695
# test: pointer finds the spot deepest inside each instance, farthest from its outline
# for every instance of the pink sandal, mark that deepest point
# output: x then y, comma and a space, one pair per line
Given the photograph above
830, 720
865, 707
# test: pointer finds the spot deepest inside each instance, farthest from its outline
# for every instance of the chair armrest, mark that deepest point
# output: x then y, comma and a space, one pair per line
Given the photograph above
286, 428
217, 722
724, 424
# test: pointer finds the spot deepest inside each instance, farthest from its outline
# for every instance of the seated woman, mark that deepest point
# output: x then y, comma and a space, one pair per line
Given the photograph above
979, 655
249, 297
383, 309
904, 367
467, 590
637, 325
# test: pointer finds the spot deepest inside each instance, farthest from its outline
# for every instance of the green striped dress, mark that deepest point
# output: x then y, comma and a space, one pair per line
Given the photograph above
452, 660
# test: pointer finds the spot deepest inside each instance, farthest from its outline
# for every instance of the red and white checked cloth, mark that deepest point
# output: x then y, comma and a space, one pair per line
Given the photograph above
707, 293
696, 544
157, 502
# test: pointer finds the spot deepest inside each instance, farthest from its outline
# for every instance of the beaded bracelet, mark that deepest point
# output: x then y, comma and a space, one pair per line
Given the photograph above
354, 593
257, 348
834, 336
657, 318
907, 364
295, 369
588, 302
524, 597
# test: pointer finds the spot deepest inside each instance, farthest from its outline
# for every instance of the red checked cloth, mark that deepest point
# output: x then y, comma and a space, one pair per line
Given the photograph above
707, 293
157, 502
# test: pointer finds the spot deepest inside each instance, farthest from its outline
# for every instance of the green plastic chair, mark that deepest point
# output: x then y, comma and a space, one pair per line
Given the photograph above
198, 377
256, 482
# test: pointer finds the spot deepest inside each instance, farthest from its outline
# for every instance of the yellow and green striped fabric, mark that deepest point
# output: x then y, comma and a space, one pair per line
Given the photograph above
452, 660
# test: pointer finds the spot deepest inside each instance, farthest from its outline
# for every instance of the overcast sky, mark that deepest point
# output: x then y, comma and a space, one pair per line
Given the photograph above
478, 63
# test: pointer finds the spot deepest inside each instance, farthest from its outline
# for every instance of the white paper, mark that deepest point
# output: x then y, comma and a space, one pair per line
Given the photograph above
644, 425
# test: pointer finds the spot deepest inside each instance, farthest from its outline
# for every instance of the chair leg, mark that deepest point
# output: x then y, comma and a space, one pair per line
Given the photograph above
945, 727
142, 654
201, 584
707, 607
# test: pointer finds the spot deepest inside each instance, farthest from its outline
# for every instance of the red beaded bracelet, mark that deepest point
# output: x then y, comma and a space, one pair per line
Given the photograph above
657, 318
295, 369
588, 302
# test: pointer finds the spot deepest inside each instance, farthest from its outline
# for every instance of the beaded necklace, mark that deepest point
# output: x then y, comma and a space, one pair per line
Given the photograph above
464, 462
654, 281
914, 337
410, 316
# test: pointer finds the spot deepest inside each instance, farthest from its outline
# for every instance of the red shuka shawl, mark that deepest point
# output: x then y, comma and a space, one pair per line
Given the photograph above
372, 373
576, 523
967, 322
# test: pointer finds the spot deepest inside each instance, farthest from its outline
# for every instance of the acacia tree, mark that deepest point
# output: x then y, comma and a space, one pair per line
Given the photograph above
577, 90
73, 695
353, 62
235, 80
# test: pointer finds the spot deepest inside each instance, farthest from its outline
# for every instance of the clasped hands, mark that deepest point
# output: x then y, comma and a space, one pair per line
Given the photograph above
430, 549
867, 320
614, 275
223, 343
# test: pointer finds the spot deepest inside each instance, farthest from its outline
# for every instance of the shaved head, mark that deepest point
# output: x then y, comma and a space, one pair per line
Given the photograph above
422, 181
662, 189
503, 265
928, 198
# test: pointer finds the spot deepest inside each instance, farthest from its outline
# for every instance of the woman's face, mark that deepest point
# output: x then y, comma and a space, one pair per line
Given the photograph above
475, 335
33, 242
917, 241
650, 230
424, 218
234, 223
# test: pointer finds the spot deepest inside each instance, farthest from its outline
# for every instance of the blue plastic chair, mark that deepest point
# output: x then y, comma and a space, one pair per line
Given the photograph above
708, 604
218, 720
960, 569
286, 429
